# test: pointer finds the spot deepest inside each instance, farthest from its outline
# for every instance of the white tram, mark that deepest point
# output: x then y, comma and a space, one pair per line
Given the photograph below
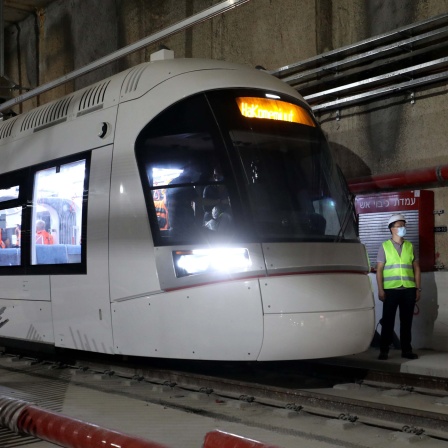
182, 209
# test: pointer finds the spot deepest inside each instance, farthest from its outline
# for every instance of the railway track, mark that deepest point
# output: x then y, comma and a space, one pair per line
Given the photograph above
308, 400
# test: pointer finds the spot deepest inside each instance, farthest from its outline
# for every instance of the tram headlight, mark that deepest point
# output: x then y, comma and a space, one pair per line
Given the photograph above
198, 261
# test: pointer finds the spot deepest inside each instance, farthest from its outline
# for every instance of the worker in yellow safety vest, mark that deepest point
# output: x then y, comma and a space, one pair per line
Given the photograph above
399, 286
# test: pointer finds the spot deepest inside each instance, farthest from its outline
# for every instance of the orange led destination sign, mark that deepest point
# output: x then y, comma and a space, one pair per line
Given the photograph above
273, 110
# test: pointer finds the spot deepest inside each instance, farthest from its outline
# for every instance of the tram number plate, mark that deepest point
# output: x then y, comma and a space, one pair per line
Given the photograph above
440, 229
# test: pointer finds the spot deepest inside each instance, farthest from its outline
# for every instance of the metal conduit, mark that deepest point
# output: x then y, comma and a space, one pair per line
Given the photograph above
22, 417
370, 43
382, 92
365, 56
398, 62
436, 64
427, 177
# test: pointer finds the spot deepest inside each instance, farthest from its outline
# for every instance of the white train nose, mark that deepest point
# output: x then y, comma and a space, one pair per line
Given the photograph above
318, 295
316, 315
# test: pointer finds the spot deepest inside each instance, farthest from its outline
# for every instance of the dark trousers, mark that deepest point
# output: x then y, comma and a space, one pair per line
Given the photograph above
404, 299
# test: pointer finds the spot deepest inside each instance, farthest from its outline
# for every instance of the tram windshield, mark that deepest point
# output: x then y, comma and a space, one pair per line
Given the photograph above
241, 165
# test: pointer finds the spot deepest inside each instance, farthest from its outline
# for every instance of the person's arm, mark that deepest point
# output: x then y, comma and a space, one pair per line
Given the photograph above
380, 280
418, 278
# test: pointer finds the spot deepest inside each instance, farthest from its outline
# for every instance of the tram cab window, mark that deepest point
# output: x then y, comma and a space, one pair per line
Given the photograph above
57, 214
291, 183
180, 156
282, 183
234, 164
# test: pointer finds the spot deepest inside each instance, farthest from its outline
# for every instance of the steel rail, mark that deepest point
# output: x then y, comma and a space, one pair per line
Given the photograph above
317, 403
202, 16
312, 402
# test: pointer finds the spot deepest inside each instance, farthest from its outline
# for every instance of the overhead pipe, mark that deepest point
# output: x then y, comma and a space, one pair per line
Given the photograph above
22, 417
415, 179
371, 43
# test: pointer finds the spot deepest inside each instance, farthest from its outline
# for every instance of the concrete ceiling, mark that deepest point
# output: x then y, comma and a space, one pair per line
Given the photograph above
17, 10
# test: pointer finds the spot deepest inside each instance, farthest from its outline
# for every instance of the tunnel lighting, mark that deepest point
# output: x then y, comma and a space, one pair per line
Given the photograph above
270, 95
197, 261
271, 109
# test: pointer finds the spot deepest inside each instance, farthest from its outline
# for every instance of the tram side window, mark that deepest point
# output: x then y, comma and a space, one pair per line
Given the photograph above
56, 219
10, 227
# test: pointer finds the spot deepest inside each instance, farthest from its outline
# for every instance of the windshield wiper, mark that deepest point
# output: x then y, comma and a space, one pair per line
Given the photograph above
346, 219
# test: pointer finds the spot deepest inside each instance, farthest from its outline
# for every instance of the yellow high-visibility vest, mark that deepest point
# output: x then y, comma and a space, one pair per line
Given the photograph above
398, 270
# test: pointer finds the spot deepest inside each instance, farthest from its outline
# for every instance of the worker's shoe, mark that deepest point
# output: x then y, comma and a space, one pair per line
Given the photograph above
409, 355
383, 356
